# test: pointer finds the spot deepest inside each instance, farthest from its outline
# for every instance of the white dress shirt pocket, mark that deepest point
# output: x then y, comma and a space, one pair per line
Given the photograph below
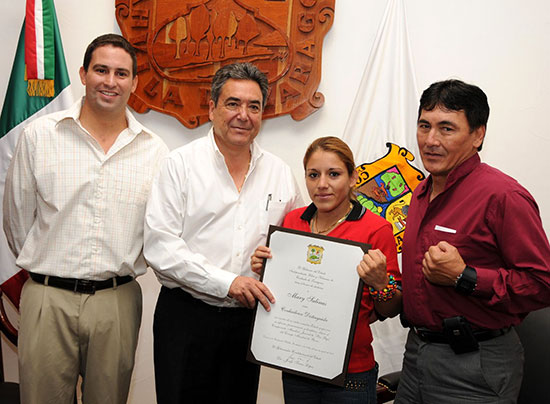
132, 184
271, 212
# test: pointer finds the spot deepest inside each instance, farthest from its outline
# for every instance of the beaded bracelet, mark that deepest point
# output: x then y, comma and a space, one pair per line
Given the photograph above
385, 294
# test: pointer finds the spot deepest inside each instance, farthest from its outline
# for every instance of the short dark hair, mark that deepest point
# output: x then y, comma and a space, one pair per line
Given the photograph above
455, 95
238, 71
115, 40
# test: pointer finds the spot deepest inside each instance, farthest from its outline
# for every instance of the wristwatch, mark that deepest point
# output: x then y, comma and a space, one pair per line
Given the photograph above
466, 282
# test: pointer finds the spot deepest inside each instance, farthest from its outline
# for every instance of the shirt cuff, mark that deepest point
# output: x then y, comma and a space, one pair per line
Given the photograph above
225, 280
485, 281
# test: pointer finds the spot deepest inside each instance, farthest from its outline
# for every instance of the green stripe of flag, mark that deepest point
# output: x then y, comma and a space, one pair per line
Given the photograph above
49, 32
18, 106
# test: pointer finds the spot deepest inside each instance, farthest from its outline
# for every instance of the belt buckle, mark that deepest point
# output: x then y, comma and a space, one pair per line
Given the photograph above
84, 286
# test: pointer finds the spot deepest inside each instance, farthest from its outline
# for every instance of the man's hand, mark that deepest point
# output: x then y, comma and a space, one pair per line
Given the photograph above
372, 269
442, 264
257, 259
247, 290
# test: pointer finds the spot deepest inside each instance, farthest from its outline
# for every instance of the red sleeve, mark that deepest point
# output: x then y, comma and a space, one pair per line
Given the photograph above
383, 240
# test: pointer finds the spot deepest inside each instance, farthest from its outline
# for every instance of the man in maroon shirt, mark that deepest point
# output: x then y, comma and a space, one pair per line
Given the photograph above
475, 261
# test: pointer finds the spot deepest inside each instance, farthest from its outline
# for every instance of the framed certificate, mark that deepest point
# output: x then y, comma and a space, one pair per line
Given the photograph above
309, 330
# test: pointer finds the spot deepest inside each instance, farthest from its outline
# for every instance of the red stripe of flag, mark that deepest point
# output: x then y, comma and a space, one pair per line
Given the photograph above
30, 41
12, 287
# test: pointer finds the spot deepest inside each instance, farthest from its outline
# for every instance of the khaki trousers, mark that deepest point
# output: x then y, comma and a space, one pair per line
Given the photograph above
64, 334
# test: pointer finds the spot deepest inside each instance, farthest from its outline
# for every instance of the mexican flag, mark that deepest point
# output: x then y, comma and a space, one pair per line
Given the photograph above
39, 84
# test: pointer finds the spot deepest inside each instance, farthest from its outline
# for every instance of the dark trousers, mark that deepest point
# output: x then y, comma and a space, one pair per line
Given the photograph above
200, 352
359, 388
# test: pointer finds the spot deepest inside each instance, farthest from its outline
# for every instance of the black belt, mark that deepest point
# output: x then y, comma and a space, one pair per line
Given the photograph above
437, 337
80, 285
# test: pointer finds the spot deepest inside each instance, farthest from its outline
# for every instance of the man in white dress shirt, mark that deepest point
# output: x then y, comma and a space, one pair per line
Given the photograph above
209, 208
73, 215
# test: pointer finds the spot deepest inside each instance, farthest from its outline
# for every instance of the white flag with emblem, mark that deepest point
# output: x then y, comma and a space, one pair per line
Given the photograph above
385, 111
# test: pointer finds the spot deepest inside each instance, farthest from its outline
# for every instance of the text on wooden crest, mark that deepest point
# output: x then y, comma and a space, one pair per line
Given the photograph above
182, 43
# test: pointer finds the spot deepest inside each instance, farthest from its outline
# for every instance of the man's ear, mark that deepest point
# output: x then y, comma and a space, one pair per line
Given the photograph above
211, 107
479, 136
82, 74
134, 83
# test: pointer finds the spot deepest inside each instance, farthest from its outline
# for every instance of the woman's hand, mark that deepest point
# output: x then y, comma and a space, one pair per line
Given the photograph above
372, 269
257, 259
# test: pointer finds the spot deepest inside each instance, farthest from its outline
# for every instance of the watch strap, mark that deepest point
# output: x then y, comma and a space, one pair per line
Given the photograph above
466, 282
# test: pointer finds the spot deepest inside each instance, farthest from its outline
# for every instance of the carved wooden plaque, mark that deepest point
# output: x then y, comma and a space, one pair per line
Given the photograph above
181, 44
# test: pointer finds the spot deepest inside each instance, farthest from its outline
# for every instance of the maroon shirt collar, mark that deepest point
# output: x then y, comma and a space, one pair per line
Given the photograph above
455, 175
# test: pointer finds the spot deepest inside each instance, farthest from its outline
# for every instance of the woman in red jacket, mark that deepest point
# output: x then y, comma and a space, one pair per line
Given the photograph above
330, 180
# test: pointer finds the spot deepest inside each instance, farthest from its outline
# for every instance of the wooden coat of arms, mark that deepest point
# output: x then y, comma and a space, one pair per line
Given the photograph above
181, 44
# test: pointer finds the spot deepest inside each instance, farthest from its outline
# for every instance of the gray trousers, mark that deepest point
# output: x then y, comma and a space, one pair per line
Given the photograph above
434, 374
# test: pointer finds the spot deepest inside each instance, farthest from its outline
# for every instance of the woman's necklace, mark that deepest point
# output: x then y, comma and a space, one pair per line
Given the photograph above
315, 229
